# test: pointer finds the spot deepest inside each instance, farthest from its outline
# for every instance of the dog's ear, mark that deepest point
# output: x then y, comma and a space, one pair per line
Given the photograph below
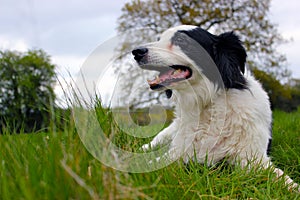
230, 57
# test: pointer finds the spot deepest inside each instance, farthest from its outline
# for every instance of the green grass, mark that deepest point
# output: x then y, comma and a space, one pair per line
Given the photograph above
57, 166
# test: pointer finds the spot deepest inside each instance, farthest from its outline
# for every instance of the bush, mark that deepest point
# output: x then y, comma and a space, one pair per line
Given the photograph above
26, 90
282, 97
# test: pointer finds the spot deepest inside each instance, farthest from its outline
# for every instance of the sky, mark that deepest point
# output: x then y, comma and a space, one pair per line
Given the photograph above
70, 30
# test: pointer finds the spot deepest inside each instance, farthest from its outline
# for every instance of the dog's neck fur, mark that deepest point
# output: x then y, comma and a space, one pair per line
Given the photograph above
190, 101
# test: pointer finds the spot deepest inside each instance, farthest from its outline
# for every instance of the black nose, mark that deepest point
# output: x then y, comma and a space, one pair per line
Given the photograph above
139, 53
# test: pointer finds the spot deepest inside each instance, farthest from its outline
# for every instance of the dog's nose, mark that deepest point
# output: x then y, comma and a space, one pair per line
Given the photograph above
139, 53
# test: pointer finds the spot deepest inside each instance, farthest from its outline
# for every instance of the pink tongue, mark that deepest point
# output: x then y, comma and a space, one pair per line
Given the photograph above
169, 76
166, 76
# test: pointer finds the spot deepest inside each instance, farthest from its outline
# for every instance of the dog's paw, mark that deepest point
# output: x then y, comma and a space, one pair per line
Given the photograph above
145, 147
294, 187
156, 160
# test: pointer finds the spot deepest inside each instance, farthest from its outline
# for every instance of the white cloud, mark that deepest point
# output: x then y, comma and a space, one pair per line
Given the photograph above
68, 63
18, 44
286, 15
59, 27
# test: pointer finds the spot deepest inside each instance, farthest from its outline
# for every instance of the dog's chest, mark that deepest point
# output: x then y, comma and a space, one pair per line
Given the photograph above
211, 135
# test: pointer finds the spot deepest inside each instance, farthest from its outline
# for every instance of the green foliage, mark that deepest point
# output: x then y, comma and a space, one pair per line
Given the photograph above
284, 97
55, 165
295, 88
26, 90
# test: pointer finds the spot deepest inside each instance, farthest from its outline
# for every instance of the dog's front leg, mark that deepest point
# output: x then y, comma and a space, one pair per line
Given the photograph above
181, 143
163, 136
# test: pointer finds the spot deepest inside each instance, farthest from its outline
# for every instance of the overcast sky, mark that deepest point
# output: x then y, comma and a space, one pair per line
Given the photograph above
69, 30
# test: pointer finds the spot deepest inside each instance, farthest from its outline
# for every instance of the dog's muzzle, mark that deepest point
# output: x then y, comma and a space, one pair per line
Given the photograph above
139, 53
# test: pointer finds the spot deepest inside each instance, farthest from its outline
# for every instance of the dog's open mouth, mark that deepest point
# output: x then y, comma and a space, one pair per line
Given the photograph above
169, 75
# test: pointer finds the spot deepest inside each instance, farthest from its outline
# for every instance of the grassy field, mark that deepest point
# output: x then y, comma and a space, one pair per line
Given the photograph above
57, 166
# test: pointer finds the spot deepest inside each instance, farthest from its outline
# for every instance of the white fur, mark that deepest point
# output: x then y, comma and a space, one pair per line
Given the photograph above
212, 124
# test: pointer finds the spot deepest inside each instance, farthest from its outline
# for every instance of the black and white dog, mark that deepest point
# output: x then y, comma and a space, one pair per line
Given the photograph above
221, 110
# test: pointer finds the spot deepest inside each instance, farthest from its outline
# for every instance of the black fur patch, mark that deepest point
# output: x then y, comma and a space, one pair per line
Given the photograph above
269, 146
230, 57
225, 50
270, 141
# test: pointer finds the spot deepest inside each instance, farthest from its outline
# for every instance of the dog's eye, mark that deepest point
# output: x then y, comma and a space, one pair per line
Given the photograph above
158, 38
178, 40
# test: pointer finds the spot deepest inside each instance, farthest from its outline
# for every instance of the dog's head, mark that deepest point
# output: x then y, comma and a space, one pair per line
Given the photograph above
188, 53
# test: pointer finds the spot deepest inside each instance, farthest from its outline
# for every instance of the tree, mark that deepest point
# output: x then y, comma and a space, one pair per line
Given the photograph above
26, 89
145, 20
294, 84
283, 97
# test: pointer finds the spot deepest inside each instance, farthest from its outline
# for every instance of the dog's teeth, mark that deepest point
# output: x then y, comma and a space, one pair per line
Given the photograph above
157, 79
177, 72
